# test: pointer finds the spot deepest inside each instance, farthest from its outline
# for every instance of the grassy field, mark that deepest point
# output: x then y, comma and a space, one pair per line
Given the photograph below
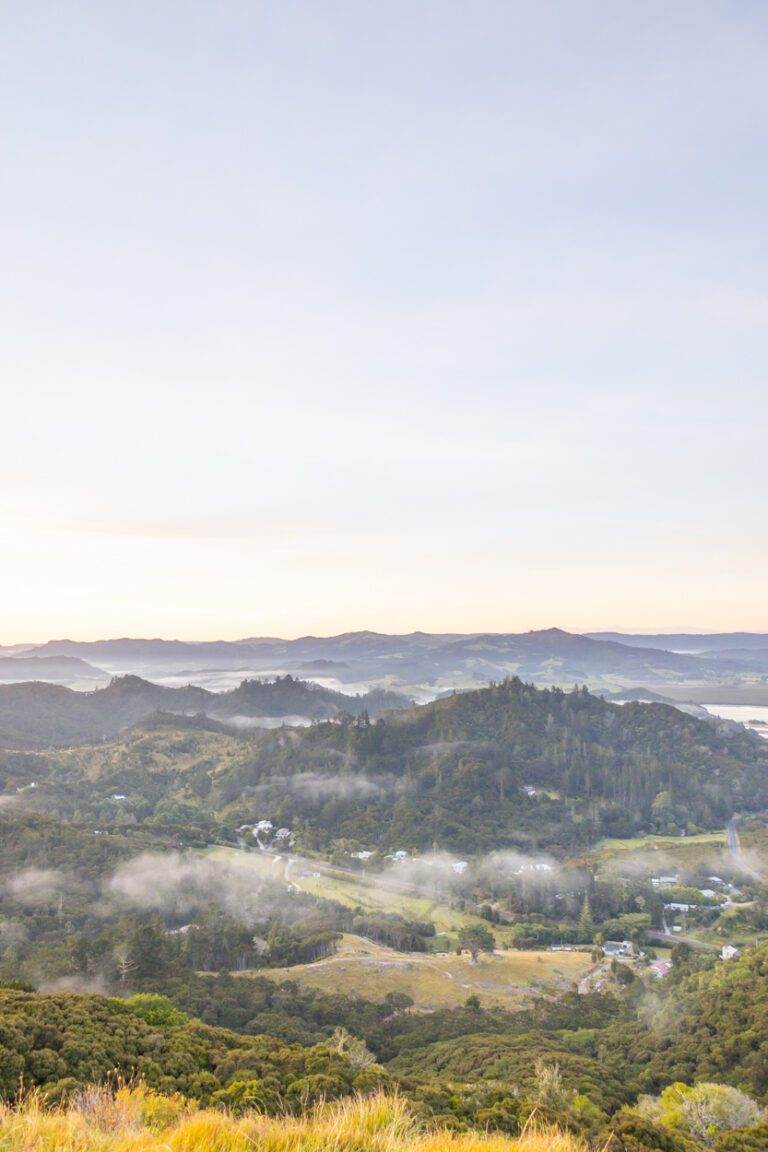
357, 891
434, 980
655, 855
669, 843
364, 968
140, 1121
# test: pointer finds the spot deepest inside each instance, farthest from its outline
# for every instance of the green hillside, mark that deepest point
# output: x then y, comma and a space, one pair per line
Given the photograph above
455, 773
505, 766
59, 1041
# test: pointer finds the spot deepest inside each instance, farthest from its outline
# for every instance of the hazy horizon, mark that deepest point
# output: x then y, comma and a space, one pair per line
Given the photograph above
246, 635
324, 317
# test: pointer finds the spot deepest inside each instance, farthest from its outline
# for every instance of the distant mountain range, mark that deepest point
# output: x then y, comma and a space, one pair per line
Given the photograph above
426, 664
697, 643
50, 669
37, 715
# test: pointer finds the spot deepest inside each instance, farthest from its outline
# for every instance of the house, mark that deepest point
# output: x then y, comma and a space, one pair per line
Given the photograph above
664, 881
283, 834
618, 948
460, 866
118, 796
715, 880
399, 855
728, 952
661, 968
677, 907
364, 855
708, 893
530, 790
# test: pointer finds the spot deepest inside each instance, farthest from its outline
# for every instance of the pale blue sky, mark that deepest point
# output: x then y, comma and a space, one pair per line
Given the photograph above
320, 316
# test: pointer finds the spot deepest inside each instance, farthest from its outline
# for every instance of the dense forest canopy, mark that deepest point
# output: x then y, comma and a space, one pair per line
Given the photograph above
458, 772
505, 766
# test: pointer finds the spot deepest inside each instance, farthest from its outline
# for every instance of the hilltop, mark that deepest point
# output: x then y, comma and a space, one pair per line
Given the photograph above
506, 766
34, 715
509, 765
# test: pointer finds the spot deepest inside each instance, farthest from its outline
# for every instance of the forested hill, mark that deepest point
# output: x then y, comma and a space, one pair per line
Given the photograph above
34, 715
460, 772
506, 766
713, 1026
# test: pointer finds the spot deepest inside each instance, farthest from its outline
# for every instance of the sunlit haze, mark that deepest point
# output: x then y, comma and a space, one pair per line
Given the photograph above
327, 316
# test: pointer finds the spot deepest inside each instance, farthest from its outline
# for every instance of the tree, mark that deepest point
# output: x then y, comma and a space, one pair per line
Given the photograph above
355, 1050
476, 938
703, 1110
586, 923
124, 963
548, 1097
398, 1002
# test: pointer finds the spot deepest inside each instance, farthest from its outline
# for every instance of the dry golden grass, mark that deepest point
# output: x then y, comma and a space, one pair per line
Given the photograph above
139, 1121
509, 979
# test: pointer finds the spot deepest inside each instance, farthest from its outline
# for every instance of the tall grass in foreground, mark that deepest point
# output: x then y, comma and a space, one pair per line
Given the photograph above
140, 1121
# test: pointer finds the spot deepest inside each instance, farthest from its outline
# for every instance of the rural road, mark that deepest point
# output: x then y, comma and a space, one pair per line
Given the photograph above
663, 938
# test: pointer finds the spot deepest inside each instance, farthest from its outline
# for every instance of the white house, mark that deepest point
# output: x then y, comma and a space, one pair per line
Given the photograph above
618, 948
728, 952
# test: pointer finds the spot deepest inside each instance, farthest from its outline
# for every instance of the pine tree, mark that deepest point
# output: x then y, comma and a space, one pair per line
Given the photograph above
586, 923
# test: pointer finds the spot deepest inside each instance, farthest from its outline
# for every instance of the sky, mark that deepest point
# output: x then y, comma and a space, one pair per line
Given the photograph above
322, 315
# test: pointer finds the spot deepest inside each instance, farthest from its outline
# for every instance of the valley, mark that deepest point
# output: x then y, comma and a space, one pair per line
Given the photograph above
443, 898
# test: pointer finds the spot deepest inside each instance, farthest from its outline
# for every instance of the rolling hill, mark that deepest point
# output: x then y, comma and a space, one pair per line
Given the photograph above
455, 771
509, 766
46, 715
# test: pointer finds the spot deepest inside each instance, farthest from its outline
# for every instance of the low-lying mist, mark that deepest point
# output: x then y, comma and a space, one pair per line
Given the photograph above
176, 884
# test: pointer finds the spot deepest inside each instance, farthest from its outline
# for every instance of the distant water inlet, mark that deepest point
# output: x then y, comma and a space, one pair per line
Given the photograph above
753, 716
